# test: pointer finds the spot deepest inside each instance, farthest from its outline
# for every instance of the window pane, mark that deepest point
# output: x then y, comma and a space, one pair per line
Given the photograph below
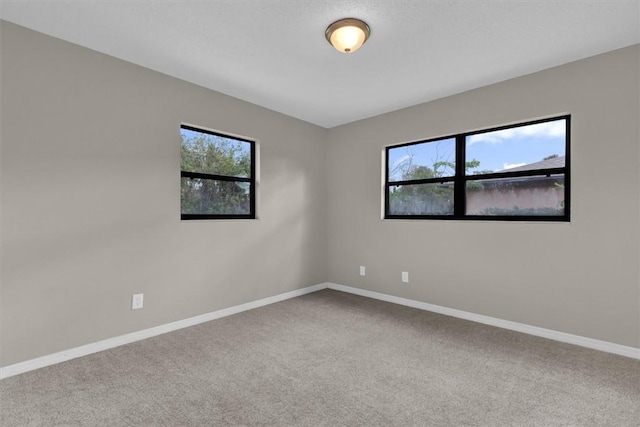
213, 197
537, 146
421, 199
213, 154
530, 195
425, 160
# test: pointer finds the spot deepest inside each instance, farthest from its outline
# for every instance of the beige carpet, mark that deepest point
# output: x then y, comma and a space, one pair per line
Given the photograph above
332, 359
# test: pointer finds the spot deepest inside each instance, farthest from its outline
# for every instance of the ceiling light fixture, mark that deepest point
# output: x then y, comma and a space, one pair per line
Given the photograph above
347, 35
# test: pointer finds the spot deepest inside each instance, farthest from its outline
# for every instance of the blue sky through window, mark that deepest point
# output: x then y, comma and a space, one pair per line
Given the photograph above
495, 150
518, 146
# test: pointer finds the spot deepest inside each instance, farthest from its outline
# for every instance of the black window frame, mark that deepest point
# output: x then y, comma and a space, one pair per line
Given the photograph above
214, 177
460, 179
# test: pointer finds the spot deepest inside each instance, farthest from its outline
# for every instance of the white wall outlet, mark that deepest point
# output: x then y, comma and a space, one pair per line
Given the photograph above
405, 277
137, 301
363, 270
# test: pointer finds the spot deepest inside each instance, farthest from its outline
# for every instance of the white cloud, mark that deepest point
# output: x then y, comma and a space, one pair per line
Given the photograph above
400, 161
397, 167
512, 165
541, 130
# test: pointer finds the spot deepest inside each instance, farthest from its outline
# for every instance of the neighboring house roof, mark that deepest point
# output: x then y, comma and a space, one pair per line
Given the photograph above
556, 162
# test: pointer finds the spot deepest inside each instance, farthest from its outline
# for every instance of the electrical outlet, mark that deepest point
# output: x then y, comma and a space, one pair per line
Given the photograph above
405, 277
137, 301
363, 270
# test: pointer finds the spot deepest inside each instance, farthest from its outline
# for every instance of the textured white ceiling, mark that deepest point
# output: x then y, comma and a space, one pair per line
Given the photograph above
274, 54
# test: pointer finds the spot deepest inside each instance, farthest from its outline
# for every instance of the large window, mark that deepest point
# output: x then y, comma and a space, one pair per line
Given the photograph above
217, 175
518, 172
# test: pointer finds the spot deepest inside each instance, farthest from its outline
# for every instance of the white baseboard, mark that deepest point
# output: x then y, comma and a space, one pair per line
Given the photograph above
63, 356
505, 324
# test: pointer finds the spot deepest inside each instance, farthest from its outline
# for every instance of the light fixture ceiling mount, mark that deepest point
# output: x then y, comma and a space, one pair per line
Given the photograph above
347, 35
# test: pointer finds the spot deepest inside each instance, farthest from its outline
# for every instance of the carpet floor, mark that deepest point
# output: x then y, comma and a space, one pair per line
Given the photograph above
331, 359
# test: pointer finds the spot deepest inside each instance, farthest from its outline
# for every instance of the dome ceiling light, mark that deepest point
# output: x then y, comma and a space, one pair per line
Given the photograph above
347, 35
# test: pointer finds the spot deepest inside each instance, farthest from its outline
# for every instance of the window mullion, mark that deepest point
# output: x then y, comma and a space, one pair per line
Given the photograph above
459, 188
214, 177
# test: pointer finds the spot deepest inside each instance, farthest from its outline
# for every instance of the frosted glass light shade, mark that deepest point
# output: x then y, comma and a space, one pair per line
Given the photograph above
347, 35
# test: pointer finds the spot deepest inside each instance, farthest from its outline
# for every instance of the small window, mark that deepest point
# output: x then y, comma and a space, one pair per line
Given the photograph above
516, 172
217, 175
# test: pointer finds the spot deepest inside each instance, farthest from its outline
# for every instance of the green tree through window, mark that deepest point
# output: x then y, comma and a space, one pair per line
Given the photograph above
217, 175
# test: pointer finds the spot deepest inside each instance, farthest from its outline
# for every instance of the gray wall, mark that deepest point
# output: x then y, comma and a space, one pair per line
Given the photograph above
90, 204
580, 277
91, 200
